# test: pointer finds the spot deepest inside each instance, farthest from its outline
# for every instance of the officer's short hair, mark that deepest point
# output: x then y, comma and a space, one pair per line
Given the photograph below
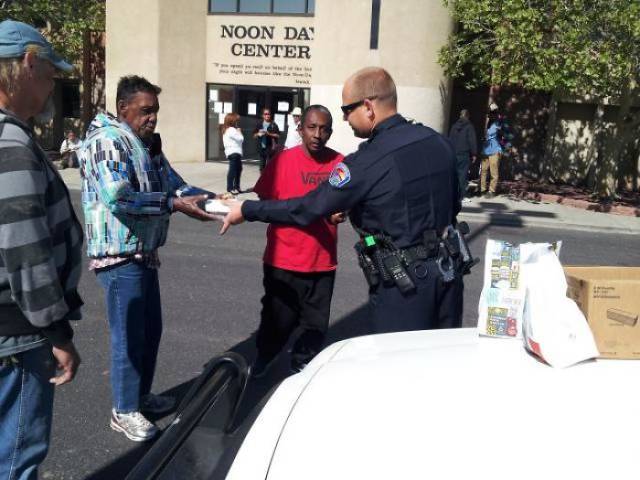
316, 108
371, 82
130, 85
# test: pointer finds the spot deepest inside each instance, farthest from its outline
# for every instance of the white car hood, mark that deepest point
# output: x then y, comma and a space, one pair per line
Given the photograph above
444, 404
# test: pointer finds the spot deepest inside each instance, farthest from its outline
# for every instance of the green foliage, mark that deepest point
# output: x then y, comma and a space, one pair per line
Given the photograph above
64, 22
582, 48
578, 47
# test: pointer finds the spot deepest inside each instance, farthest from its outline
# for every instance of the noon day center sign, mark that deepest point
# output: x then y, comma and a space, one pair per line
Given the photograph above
268, 51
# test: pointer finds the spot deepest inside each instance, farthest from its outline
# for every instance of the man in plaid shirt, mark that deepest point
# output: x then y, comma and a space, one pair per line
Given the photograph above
129, 191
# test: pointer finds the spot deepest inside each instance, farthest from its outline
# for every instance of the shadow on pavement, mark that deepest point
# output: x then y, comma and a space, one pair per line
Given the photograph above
121, 466
257, 392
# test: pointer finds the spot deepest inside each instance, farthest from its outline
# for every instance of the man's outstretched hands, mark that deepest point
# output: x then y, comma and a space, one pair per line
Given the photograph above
234, 217
189, 206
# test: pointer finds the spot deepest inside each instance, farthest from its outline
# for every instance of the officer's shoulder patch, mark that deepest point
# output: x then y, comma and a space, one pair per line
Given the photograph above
340, 175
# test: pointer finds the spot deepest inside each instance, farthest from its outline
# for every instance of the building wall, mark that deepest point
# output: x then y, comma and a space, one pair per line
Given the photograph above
181, 48
410, 35
164, 41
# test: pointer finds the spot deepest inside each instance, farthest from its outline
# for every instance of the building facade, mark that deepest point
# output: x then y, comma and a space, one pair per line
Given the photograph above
219, 56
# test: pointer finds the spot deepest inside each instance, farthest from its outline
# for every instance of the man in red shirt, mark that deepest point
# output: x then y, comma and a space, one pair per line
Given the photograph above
299, 262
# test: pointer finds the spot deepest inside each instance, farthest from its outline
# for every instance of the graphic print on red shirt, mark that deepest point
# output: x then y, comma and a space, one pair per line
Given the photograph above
302, 249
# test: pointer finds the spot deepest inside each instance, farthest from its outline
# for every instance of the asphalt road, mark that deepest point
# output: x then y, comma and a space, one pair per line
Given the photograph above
211, 288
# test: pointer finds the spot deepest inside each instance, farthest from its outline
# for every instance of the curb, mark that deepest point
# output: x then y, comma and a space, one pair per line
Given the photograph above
622, 210
514, 220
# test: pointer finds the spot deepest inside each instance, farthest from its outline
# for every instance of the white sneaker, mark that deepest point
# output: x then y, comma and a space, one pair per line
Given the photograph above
466, 200
134, 425
157, 404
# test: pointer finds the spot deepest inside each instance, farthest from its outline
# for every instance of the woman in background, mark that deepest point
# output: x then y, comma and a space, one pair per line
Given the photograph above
232, 140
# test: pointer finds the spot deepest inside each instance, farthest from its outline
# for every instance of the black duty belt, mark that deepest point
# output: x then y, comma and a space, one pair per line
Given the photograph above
419, 252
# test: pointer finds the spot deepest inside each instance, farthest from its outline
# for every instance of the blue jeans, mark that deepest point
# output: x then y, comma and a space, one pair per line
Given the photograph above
26, 409
132, 295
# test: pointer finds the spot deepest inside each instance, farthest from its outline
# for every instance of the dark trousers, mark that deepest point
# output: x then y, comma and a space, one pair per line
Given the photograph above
462, 166
435, 304
294, 299
233, 174
265, 155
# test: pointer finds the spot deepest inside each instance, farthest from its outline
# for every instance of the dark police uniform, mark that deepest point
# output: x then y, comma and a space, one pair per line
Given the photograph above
401, 183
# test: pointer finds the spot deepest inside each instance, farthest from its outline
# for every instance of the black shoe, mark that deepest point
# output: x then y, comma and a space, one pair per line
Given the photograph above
261, 366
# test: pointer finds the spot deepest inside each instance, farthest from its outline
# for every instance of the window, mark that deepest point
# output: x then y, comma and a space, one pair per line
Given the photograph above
280, 7
223, 6
255, 6
289, 6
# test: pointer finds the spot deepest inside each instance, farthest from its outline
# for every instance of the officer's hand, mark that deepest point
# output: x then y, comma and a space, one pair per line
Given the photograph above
68, 361
189, 206
234, 217
337, 218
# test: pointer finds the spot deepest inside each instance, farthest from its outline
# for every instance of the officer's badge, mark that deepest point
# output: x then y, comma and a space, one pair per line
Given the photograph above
340, 175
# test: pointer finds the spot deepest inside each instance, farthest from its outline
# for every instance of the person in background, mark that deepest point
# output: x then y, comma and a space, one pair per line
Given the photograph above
299, 261
232, 139
401, 191
267, 134
491, 153
293, 133
40, 257
68, 151
463, 137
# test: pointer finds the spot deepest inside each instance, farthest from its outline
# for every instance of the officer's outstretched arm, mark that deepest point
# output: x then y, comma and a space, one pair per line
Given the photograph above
319, 203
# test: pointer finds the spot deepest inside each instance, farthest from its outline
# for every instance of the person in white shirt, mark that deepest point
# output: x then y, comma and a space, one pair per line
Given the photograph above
293, 136
68, 150
232, 139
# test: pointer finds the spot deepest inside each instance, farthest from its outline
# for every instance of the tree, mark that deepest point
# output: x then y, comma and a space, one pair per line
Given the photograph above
573, 48
64, 22
73, 27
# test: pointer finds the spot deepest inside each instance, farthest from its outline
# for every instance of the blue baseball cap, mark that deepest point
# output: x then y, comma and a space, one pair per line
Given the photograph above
16, 37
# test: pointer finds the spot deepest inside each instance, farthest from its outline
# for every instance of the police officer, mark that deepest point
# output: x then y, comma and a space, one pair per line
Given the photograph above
401, 192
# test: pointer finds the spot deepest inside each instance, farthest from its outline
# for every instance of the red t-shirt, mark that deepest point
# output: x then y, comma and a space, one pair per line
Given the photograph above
302, 249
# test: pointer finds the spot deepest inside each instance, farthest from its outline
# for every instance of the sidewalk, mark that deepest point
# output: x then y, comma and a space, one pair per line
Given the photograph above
500, 211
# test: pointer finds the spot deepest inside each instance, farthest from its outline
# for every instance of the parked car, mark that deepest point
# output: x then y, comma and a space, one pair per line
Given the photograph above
417, 405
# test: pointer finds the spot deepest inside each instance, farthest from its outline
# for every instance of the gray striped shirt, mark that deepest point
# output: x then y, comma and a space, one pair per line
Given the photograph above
40, 243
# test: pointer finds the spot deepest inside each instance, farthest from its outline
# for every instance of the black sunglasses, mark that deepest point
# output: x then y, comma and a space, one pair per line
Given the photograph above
347, 109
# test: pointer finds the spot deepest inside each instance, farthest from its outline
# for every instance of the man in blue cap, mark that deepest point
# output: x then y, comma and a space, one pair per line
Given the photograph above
40, 257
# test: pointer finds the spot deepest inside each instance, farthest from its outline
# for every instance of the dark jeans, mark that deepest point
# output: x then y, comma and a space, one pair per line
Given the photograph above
265, 156
132, 296
233, 174
26, 410
462, 166
293, 299
435, 304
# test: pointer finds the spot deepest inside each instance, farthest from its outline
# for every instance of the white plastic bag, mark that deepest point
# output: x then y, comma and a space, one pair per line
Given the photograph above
554, 327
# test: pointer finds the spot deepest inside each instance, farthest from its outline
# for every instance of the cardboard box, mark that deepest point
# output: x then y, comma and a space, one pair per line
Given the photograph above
609, 297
